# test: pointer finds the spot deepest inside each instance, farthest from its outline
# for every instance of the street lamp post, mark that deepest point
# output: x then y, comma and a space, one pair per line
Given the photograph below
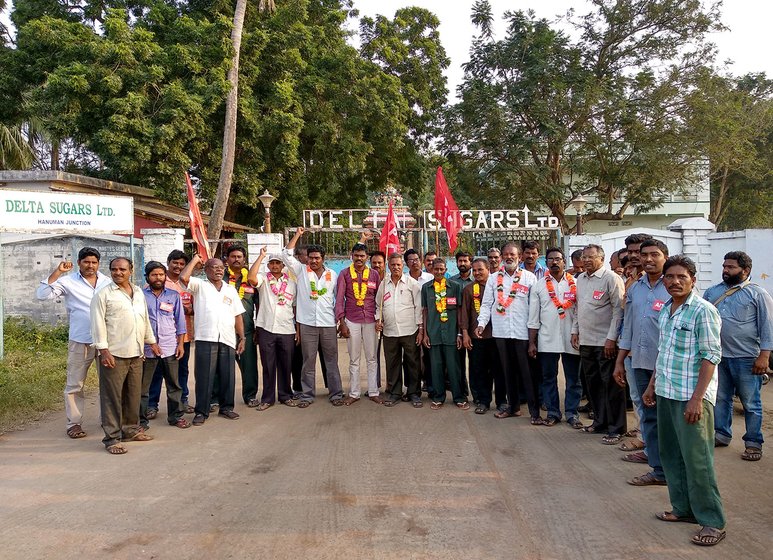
578, 203
266, 198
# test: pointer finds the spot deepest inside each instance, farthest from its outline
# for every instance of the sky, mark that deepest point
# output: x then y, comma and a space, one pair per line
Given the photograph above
748, 42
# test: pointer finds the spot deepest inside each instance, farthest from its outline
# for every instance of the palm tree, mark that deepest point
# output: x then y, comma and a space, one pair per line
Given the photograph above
231, 107
15, 151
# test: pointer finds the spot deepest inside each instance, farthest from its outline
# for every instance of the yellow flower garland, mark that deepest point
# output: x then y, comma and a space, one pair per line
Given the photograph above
440, 299
360, 288
232, 280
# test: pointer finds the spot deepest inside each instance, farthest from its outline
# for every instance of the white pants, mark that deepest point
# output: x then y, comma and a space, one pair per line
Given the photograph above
361, 335
79, 359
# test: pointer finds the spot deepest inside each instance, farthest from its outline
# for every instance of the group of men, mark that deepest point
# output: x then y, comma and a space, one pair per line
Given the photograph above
511, 318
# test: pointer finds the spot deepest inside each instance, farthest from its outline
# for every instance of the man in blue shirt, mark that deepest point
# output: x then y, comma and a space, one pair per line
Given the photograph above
747, 339
77, 289
167, 319
639, 340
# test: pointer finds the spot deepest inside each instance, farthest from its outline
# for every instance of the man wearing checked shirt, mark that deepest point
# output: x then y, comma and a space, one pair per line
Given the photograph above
685, 382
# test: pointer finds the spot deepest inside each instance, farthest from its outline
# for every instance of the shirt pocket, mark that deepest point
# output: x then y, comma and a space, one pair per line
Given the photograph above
684, 336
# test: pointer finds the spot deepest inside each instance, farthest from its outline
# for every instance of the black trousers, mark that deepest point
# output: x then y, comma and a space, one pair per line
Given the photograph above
276, 357
169, 368
484, 370
606, 396
513, 354
214, 360
401, 354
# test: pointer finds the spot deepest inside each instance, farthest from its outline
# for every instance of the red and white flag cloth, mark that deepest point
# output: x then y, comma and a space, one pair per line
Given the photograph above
446, 211
390, 240
197, 224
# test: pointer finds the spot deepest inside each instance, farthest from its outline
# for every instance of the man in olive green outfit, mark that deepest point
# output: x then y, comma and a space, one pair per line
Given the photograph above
237, 269
685, 382
440, 300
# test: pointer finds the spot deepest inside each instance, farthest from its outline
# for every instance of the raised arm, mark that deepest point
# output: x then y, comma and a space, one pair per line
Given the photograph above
187, 272
252, 275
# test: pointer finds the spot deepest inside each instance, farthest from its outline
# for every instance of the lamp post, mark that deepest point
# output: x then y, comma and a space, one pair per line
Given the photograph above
578, 203
266, 199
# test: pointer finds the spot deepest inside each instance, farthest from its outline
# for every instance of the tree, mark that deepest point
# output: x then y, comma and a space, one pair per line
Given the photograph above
549, 118
15, 152
731, 120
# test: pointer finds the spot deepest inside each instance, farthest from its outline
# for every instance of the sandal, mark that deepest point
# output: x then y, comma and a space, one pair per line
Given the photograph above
708, 536
671, 517
253, 403
151, 414
189, 409
141, 436
589, 429
632, 433
337, 402
436, 405
549, 421
646, 480
633, 445
290, 402
537, 421
417, 404
377, 399
264, 406
752, 454
576, 423
611, 439
636, 457
502, 414
76, 432
463, 405
389, 403
182, 423
480, 409
304, 404
116, 449
349, 400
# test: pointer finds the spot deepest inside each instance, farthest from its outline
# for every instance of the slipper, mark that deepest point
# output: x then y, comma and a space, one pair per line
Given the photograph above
417, 404
670, 517
181, 423
141, 436
480, 409
550, 421
463, 405
646, 480
116, 449
337, 402
349, 400
633, 445
76, 432
264, 406
151, 414
708, 536
377, 399
752, 454
576, 423
436, 405
635, 457
537, 421
304, 404
253, 403
390, 403
589, 429
189, 409
290, 402
502, 414
632, 433
611, 439
198, 420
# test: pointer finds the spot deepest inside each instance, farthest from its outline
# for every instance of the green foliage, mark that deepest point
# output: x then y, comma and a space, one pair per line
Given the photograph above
544, 118
33, 371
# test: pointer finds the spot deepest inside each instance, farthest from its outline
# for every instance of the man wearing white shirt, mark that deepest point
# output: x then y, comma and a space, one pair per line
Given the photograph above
399, 318
315, 312
506, 304
219, 337
78, 289
552, 306
275, 328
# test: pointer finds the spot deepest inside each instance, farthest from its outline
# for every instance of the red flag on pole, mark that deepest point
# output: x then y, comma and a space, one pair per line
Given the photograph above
446, 211
197, 224
390, 241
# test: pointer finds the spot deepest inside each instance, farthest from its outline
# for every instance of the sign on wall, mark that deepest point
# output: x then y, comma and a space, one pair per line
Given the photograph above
523, 218
50, 212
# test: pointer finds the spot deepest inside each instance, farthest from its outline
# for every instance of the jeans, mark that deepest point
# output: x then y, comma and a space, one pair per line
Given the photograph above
573, 391
635, 393
648, 422
154, 395
735, 374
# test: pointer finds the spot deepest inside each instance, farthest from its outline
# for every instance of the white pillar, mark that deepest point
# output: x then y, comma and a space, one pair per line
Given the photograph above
697, 246
159, 242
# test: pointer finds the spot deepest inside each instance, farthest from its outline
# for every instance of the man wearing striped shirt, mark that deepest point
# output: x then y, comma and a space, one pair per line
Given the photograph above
685, 382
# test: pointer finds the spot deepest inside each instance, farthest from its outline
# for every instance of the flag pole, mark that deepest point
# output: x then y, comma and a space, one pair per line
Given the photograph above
437, 237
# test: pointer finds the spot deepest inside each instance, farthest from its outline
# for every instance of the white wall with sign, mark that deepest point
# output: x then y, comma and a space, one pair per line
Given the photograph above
51, 212
274, 242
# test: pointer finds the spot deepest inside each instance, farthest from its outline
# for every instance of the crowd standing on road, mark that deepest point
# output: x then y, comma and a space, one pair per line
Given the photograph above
635, 330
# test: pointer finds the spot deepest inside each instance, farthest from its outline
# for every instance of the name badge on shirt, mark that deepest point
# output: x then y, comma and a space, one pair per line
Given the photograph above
227, 300
289, 296
658, 305
522, 289
387, 296
372, 285
598, 294
186, 297
569, 296
451, 301
168, 307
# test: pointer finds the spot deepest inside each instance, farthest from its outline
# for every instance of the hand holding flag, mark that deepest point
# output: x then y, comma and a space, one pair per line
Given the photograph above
198, 232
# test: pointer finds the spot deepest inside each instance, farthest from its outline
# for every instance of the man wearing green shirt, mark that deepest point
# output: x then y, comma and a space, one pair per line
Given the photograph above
440, 300
685, 382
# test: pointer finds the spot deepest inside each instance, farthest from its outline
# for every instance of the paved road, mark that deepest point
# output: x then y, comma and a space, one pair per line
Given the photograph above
359, 482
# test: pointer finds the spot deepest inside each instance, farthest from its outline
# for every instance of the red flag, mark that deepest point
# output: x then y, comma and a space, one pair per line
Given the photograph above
390, 241
197, 224
446, 211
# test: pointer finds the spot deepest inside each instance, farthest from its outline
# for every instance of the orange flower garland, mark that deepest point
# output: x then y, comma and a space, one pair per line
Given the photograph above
568, 302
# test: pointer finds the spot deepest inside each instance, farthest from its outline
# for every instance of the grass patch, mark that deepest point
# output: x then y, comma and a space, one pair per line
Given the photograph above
33, 372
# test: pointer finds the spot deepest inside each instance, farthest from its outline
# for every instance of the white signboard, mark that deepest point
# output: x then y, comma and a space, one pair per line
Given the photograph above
523, 218
256, 241
50, 212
